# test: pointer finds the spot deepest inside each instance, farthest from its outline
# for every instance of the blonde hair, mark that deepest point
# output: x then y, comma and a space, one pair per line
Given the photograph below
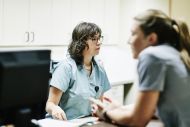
168, 30
184, 42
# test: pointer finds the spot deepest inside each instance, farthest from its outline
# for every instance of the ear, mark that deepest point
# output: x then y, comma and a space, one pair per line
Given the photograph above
152, 39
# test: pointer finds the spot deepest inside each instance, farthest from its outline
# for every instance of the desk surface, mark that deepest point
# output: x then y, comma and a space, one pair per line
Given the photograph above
152, 123
83, 121
102, 124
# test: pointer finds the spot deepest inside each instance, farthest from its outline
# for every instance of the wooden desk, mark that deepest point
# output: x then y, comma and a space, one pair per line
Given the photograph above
83, 123
152, 123
102, 124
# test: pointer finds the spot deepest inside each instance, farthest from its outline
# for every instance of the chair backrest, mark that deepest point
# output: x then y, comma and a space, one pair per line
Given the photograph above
53, 65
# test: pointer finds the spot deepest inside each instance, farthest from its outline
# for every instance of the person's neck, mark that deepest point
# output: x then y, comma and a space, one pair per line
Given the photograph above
87, 61
88, 64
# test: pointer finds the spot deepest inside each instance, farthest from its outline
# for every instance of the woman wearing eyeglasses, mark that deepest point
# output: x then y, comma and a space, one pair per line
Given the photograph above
79, 76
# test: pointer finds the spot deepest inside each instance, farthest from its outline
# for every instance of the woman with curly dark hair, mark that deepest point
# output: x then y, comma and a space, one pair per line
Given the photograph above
79, 76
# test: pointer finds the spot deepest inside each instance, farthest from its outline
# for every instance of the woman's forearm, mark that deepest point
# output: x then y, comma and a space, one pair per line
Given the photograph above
120, 115
50, 106
124, 116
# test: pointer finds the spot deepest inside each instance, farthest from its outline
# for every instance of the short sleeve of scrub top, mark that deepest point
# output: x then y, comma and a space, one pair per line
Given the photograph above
61, 75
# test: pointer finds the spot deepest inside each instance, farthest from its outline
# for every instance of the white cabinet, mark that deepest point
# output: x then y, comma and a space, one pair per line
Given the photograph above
14, 21
79, 11
26, 22
111, 23
68, 13
105, 13
61, 21
40, 22
51, 22
1, 14
96, 12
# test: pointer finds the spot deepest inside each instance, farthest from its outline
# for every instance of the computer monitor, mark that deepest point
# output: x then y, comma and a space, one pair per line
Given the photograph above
24, 77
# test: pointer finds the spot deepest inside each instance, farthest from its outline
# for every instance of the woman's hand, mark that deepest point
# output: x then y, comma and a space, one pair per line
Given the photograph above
99, 109
52, 104
111, 104
58, 113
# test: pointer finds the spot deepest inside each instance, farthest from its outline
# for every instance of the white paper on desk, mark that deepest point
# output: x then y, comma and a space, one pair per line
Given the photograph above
70, 123
84, 120
55, 123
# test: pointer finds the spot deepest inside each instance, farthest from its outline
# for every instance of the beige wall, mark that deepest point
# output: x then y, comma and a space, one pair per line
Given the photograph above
180, 10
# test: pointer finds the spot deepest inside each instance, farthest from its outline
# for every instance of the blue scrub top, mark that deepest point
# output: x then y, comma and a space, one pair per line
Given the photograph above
78, 86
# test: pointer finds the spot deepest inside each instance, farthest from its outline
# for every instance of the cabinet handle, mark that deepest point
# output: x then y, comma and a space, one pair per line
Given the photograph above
32, 34
26, 36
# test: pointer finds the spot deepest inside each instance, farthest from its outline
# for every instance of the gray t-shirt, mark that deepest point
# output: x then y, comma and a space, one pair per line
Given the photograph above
78, 86
161, 69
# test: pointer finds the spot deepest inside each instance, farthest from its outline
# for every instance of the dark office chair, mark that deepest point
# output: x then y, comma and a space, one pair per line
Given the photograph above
53, 65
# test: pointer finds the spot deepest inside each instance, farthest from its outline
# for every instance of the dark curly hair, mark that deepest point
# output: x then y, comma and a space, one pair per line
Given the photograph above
81, 33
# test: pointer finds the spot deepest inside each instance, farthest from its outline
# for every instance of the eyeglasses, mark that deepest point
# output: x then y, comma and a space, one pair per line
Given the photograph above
98, 39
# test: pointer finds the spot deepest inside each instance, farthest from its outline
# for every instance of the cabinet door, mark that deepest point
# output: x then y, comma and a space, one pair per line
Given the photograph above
96, 13
40, 22
111, 23
79, 12
104, 13
61, 21
14, 22
68, 13
1, 20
